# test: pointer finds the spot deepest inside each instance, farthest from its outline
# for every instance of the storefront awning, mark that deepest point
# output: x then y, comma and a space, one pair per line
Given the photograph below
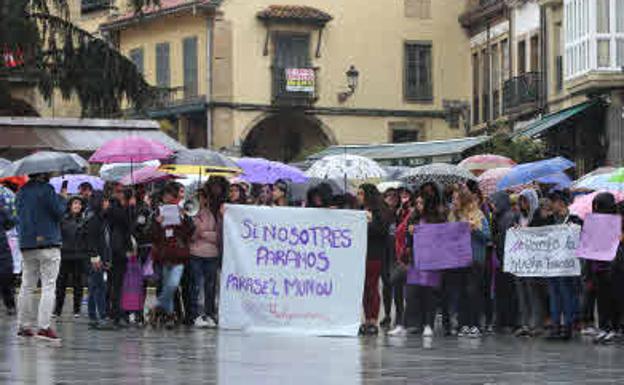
403, 151
74, 135
541, 126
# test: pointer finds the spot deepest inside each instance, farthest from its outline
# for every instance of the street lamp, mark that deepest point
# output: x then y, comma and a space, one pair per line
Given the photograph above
353, 76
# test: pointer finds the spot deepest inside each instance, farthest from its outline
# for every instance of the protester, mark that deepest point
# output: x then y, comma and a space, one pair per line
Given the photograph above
100, 255
527, 288
205, 250
7, 283
391, 200
237, 194
504, 219
467, 282
40, 211
607, 298
73, 255
281, 194
172, 250
369, 199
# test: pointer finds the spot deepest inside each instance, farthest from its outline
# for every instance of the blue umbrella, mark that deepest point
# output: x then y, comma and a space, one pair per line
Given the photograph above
530, 172
559, 180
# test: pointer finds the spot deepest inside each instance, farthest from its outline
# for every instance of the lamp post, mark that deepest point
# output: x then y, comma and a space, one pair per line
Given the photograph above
353, 76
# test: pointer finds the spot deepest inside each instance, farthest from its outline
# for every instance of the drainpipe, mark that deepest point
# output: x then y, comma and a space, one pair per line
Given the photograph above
543, 76
488, 53
209, 68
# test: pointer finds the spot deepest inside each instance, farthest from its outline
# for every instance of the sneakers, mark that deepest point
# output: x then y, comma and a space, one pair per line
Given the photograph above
604, 337
372, 330
398, 331
523, 332
428, 332
589, 331
204, 323
76, 315
490, 329
25, 333
48, 335
385, 323
464, 331
475, 332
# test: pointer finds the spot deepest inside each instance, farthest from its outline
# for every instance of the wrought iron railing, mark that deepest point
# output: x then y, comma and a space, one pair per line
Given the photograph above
521, 92
294, 86
94, 5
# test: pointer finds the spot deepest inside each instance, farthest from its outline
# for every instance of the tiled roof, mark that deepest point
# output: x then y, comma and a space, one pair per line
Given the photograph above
166, 7
298, 13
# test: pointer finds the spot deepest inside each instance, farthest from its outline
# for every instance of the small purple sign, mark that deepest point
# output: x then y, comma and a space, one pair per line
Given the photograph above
424, 278
442, 246
600, 237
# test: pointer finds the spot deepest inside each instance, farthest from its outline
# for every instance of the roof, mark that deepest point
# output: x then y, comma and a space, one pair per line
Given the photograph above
75, 135
294, 13
539, 127
167, 7
405, 150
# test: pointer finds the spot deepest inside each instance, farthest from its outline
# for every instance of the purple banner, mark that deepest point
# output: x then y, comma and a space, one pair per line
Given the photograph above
600, 237
442, 246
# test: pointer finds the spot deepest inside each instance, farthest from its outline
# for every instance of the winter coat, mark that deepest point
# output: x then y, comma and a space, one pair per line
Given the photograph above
206, 238
6, 257
120, 219
74, 232
504, 219
171, 245
40, 210
99, 242
377, 238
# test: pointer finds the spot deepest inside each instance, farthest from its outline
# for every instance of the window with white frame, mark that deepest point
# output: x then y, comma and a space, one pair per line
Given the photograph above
594, 36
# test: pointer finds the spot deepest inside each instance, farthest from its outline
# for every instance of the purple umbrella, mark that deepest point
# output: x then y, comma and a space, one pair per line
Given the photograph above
262, 171
75, 180
131, 149
146, 175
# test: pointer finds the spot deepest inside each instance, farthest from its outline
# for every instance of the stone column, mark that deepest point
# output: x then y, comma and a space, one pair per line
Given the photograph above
614, 122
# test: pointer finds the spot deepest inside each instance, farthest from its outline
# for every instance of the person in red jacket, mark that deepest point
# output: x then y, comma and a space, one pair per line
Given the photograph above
171, 248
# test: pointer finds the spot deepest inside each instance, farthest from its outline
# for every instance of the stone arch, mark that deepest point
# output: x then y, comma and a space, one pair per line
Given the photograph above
285, 136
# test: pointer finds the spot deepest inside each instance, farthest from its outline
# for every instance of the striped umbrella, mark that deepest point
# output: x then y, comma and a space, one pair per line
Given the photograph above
478, 164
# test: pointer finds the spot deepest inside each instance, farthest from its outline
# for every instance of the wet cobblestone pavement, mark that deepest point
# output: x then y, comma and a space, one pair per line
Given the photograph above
190, 356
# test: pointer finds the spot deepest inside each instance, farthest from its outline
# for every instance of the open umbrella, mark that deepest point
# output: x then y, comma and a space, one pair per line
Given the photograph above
582, 205
441, 173
395, 172
478, 164
385, 186
350, 167
146, 174
262, 171
114, 172
559, 181
299, 191
47, 162
131, 149
202, 157
490, 178
529, 172
75, 180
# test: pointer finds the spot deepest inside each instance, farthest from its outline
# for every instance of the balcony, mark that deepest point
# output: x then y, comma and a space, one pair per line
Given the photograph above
294, 87
521, 94
175, 100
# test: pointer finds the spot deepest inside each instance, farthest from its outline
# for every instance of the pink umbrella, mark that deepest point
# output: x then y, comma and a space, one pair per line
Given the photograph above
490, 178
583, 204
131, 149
477, 164
146, 175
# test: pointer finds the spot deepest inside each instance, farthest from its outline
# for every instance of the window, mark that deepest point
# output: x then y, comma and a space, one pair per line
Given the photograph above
406, 131
521, 57
505, 59
534, 54
495, 82
420, 9
475, 88
136, 56
592, 45
190, 66
418, 82
162, 65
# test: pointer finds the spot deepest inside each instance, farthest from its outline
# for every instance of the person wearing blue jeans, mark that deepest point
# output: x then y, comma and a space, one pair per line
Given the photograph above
97, 297
171, 276
562, 295
204, 275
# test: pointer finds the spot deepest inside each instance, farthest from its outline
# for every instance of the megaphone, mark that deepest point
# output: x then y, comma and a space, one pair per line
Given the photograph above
190, 207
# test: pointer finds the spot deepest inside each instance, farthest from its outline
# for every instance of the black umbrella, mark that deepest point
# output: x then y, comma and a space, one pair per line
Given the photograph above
202, 157
47, 162
299, 191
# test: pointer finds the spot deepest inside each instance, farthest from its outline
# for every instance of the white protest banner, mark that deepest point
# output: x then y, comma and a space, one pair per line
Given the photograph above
292, 270
548, 251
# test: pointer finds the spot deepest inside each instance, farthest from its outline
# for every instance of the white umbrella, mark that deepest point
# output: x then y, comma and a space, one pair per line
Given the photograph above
441, 173
351, 167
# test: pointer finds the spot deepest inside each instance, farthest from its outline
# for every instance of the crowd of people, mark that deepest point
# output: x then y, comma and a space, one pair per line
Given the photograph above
120, 243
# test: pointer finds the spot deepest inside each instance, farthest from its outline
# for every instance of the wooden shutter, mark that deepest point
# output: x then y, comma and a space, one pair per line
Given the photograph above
190, 66
163, 72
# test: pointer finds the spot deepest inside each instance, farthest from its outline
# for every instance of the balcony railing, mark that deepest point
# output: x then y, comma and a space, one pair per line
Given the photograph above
521, 92
164, 98
295, 86
94, 5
